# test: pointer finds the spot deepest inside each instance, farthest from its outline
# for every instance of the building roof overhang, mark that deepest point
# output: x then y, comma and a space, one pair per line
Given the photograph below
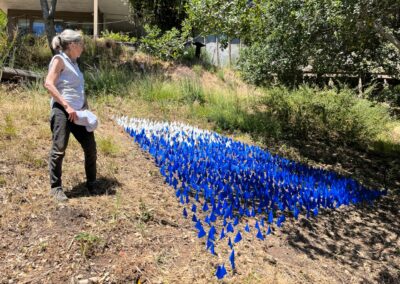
115, 8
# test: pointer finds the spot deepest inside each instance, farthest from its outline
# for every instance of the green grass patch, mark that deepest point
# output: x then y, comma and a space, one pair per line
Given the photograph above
107, 146
9, 130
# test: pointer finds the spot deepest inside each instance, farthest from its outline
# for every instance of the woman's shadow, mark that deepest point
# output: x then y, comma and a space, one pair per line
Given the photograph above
103, 186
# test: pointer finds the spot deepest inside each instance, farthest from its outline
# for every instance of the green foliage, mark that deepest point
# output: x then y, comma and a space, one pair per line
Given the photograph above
389, 94
121, 37
3, 20
145, 214
7, 44
256, 65
232, 19
31, 52
163, 14
334, 117
192, 91
107, 80
328, 115
158, 89
333, 36
87, 243
101, 52
9, 130
107, 146
167, 45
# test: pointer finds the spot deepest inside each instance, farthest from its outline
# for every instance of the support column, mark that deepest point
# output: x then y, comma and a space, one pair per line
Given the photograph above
95, 18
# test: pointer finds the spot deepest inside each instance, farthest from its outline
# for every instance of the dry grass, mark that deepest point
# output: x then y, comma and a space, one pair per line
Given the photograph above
137, 222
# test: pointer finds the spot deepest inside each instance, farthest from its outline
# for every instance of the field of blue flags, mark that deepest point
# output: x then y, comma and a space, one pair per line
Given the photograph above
221, 181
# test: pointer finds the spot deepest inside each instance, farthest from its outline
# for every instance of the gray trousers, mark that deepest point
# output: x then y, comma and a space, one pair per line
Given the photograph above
61, 128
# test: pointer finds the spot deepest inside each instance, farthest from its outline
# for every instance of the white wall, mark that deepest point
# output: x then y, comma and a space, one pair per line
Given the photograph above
218, 56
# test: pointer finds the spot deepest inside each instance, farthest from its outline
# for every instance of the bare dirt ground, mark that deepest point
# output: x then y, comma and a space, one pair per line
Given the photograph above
134, 227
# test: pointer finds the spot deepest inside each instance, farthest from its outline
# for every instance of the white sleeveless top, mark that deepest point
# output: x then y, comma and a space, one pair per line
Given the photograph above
70, 83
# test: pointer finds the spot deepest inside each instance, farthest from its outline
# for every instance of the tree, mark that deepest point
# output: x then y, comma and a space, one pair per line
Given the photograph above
163, 14
229, 19
352, 36
48, 16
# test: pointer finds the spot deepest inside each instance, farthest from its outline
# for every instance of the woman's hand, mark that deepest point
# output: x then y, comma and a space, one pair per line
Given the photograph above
71, 113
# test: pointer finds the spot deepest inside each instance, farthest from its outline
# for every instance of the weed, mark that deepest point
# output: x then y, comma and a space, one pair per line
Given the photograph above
87, 243
9, 130
107, 146
3, 181
198, 69
146, 214
221, 74
43, 246
192, 91
117, 206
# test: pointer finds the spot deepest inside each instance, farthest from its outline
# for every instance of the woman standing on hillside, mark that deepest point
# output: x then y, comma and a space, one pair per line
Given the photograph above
65, 84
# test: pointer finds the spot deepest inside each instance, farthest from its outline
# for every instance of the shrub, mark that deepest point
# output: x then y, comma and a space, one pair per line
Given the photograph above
254, 65
168, 45
31, 52
118, 36
100, 53
328, 115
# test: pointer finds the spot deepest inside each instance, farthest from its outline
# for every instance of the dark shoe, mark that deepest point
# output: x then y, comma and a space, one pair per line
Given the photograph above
58, 194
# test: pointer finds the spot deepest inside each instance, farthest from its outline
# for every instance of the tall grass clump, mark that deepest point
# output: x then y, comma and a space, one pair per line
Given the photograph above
225, 109
157, 89
192, 91
108, 80
328, 115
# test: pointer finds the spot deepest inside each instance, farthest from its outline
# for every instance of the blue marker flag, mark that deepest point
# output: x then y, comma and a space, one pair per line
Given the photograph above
184, 213
211, 233
232, 259
201, 233
236, 221
260, 235
230, 243
221, 271
229, 228
222, 234
238, 237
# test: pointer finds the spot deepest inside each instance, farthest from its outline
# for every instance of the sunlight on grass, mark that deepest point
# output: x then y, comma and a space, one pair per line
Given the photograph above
107, 146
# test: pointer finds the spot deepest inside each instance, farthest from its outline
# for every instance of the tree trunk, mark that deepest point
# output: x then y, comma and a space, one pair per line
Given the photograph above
48, 17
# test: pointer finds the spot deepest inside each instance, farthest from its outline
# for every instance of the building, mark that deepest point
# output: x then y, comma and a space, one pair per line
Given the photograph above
76, 14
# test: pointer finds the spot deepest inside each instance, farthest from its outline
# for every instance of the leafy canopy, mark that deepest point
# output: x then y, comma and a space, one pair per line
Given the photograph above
284, 36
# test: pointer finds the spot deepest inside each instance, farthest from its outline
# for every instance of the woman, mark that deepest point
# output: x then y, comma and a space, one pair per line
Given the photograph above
65, 84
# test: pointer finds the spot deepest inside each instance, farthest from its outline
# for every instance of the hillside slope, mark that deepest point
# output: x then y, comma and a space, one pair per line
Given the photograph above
132, 229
